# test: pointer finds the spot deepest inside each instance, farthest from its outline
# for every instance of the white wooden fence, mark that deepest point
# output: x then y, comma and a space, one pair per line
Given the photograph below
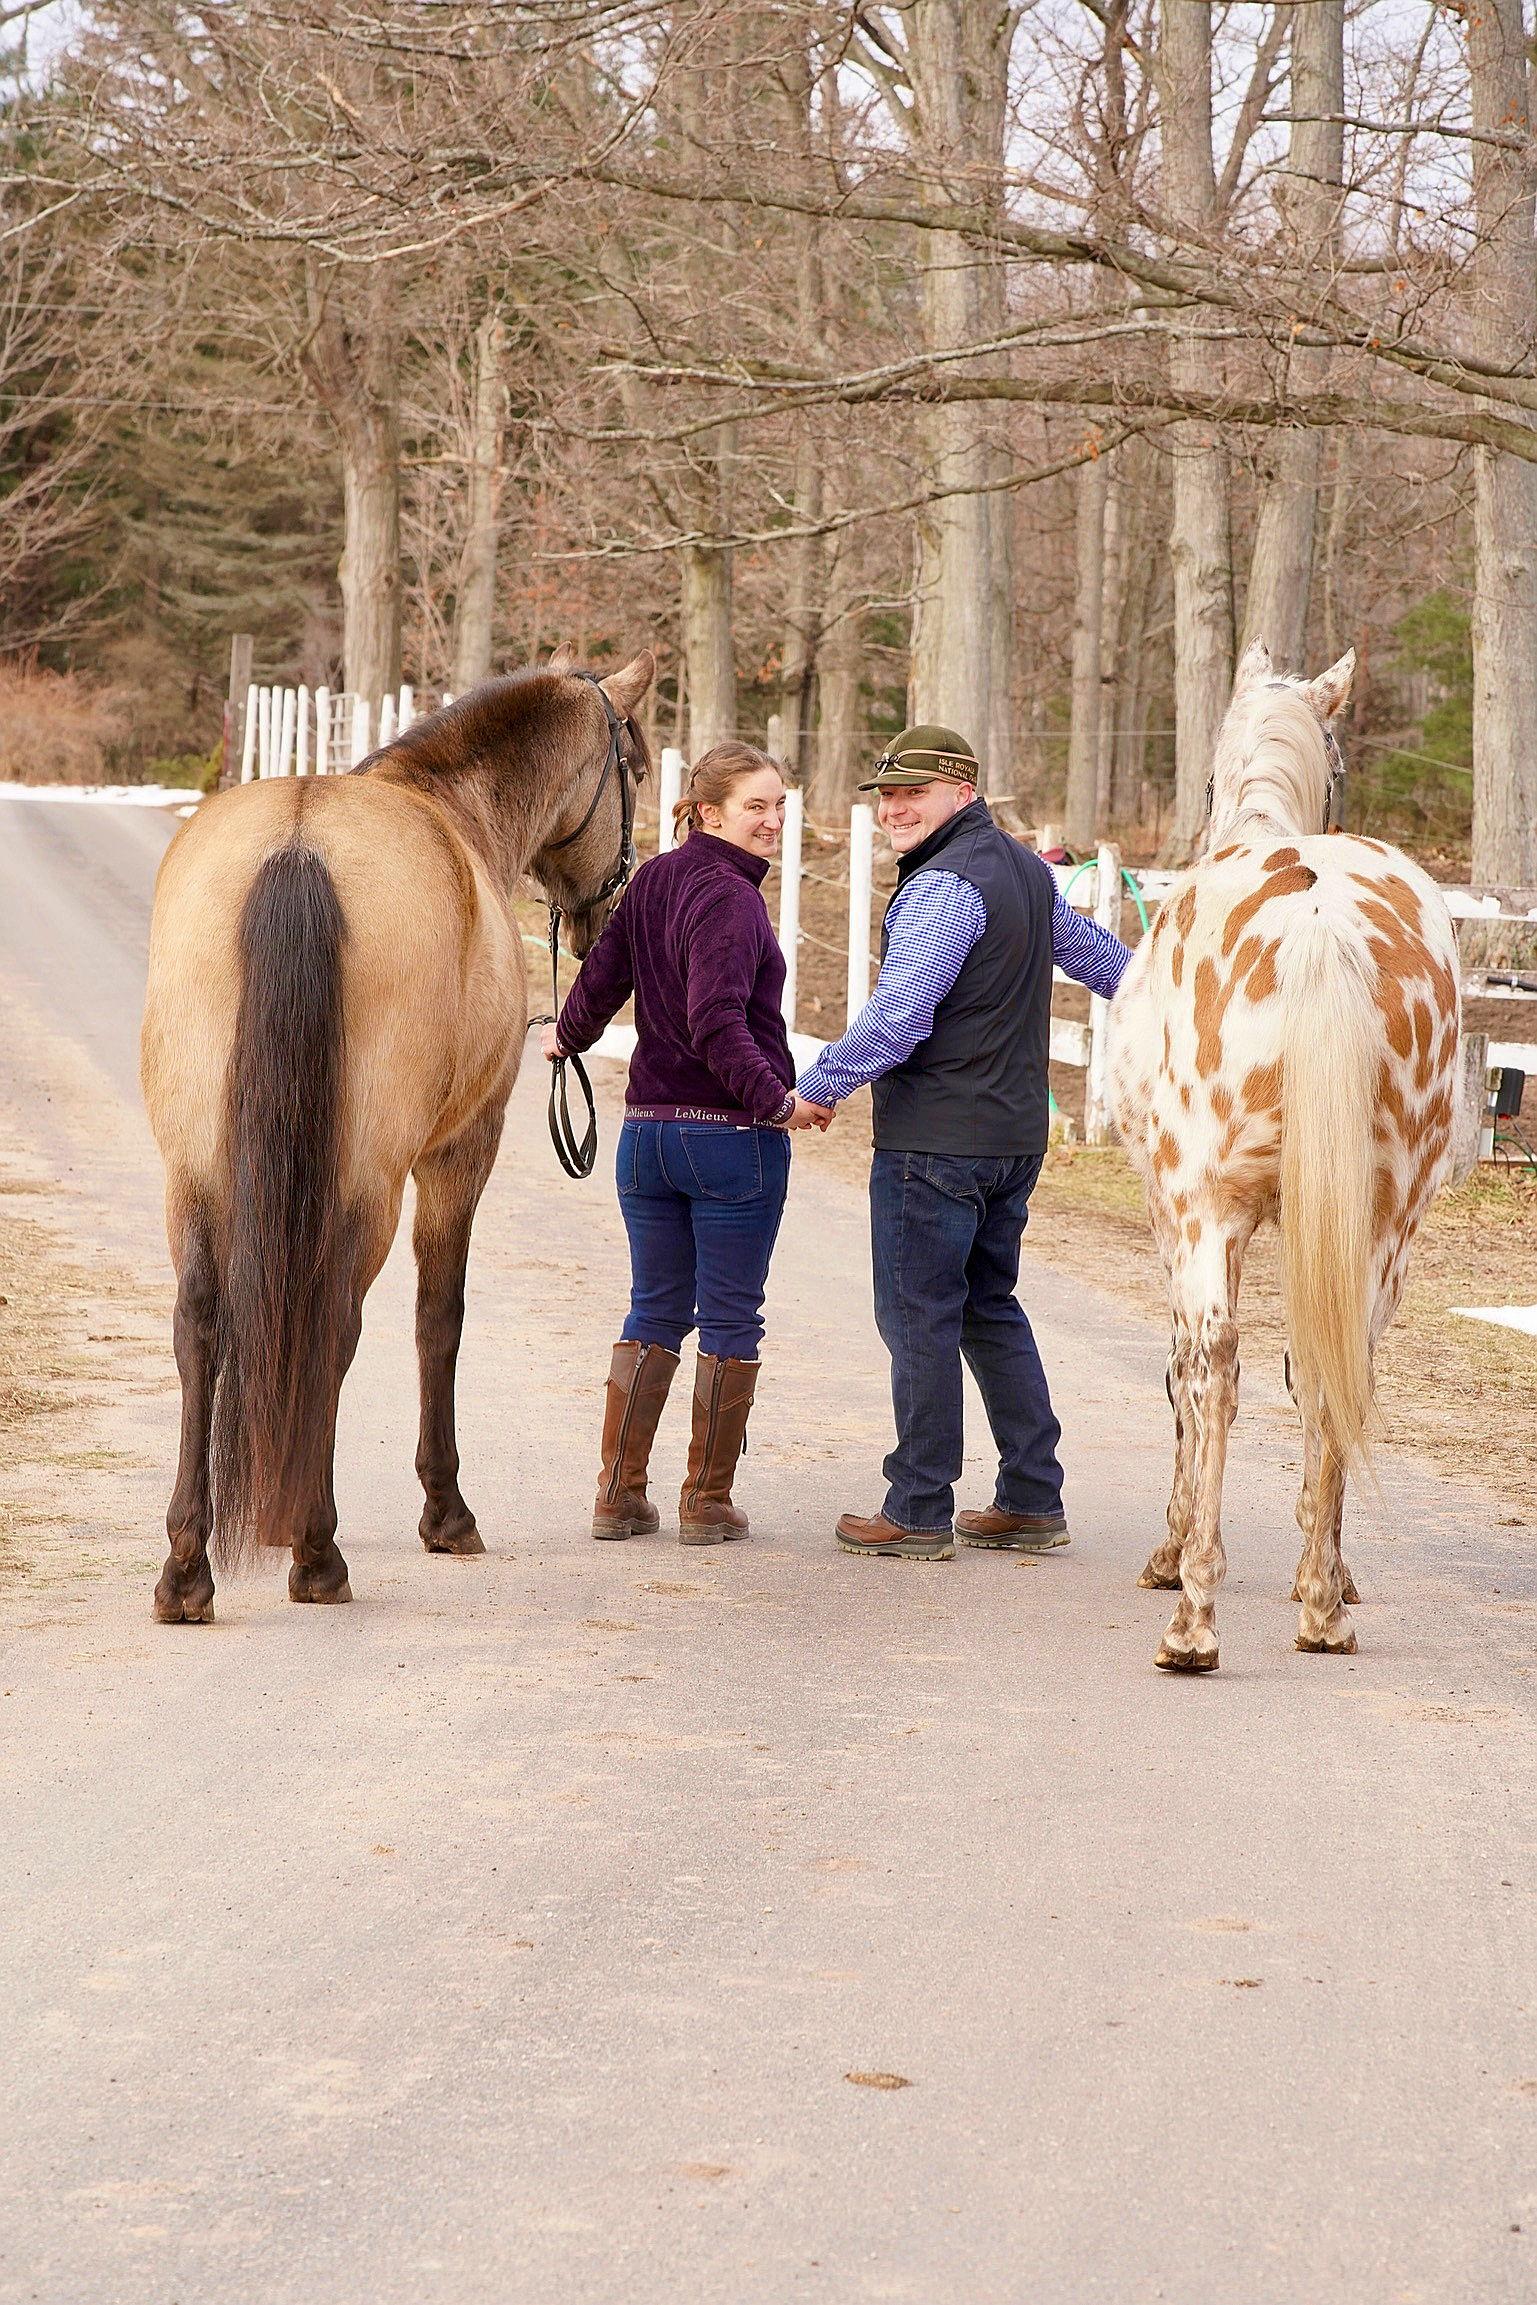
317, 732
320, 732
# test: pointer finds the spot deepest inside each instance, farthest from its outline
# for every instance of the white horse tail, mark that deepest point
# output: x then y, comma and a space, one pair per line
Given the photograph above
1332, 1044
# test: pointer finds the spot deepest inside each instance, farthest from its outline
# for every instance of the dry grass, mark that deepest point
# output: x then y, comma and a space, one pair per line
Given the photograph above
54, 727
69, 1334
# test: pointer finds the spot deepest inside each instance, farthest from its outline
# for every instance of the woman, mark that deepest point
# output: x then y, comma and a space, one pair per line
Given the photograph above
704, 1154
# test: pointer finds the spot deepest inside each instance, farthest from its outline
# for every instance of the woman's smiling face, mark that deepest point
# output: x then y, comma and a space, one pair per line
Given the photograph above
752, 814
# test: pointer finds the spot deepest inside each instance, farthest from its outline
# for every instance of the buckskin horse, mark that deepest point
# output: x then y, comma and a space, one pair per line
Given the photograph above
1284, 1046
338, 999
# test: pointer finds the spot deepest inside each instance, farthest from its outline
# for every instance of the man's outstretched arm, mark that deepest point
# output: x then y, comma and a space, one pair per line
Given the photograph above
931, 928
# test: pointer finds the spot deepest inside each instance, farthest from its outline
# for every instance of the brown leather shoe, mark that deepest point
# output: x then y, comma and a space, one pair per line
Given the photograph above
638, 1380
723, 1396
1012, 1532
886, 1540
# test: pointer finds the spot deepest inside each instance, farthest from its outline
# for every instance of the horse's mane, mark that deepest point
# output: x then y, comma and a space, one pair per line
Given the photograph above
522, 728
1271, 759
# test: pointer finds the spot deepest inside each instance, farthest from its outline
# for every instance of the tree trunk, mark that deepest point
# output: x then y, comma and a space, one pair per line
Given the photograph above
1505, 487
1200, 547
1112, 619
957, 62
477, 567
708, 653
1281, 572
1079, 814
352, 364
839, 760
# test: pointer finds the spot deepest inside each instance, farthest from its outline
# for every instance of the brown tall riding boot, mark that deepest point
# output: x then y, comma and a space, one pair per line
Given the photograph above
723, 1392
638, 1380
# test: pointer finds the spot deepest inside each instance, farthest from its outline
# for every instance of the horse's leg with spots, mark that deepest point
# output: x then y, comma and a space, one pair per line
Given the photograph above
1205, 1294
1162, 1571
318, 1572
449, 1183
184, 1594
1325, 1623
1307, 1503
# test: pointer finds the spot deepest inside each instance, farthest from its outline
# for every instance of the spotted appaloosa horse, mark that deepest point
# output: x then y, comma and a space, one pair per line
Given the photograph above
1284, 1046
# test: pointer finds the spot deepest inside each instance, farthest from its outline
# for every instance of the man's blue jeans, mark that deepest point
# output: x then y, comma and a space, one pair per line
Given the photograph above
701, 1205
945, 1233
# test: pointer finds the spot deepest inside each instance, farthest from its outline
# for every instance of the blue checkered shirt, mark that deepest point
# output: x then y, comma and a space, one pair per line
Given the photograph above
931, 927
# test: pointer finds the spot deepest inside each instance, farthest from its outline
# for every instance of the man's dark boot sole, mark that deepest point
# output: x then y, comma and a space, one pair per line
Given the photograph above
1046, 1544
913, 1548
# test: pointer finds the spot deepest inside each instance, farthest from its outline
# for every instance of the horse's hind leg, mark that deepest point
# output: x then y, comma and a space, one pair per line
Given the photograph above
318, 1572
449, 1183
1204, 1288
1321, 1575
1307, 1503
1162, 1571
184, 1594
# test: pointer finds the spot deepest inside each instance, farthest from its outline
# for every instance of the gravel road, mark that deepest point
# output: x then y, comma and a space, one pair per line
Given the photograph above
520, 1932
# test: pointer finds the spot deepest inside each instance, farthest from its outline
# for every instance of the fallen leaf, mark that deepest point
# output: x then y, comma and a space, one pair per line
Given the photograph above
878, 2080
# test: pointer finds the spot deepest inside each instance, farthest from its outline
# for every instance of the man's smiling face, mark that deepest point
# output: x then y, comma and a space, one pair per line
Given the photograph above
908, 813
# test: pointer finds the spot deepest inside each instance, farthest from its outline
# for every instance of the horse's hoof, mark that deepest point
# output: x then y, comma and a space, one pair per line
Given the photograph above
331, 1597
463, 1542
1327, 1645
323, 1583
1154, 1581
1185, 1660
174, 1611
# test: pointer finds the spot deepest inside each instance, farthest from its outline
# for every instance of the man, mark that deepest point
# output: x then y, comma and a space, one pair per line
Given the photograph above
954, 1042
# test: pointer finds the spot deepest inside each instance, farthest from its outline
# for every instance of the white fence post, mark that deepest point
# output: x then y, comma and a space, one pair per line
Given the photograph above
248, 738
861, 889
405, 711
264, 733
322, 731
790, 897
360, 716
287, 729
1107, 912
302, 755
386, 721
669, 789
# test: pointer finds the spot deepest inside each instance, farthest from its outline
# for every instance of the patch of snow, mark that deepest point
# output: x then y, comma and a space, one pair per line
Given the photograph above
120, 795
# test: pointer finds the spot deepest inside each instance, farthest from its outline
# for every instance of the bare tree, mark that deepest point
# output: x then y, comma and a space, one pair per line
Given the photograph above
1200, 544
1505, 502
1281, 570
476, 600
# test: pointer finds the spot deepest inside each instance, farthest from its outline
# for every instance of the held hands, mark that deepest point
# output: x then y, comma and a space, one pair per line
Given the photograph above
804, 1115
548, 1044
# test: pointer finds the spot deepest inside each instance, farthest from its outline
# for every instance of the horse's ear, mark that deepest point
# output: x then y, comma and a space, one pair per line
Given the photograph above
563, 657
1330, 692
625, 688
1254, 664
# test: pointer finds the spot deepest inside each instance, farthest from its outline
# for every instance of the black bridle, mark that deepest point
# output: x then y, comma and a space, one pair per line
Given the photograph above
578, 1154
1334, 796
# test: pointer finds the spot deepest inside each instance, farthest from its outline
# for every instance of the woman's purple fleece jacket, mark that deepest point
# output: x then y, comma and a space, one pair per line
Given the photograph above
691, 939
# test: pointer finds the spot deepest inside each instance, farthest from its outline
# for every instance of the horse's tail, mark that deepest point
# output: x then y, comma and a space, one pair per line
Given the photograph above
1332, 1050
284, 1251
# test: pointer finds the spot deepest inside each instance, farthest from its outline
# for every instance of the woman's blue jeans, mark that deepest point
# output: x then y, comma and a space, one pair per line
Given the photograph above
701, 1204
946, 1234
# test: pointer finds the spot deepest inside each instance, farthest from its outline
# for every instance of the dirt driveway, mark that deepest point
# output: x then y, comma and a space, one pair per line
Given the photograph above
559, 1926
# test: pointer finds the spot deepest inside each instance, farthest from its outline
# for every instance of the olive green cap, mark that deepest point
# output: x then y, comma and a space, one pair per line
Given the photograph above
919, 755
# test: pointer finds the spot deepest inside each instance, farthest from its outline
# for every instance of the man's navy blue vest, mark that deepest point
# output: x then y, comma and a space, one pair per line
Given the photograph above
978, 1085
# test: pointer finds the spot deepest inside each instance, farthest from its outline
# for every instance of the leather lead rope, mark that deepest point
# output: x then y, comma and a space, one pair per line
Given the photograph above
577, 1155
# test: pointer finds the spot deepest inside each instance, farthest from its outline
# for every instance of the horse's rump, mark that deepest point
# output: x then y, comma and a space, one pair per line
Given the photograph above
286, 1249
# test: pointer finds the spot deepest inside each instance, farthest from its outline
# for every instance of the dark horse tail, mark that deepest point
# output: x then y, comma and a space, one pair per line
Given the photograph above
286, 1279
